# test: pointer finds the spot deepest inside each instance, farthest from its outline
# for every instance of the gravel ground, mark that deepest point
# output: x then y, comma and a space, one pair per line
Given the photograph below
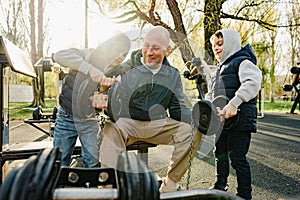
274, 156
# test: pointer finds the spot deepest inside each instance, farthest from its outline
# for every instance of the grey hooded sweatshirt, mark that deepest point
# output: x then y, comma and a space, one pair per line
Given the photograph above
237, 77
249, 74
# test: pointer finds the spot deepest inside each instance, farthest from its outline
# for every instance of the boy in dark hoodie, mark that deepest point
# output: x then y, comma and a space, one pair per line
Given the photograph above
89, 69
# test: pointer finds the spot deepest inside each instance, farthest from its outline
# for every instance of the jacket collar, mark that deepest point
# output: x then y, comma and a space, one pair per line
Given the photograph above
164, 70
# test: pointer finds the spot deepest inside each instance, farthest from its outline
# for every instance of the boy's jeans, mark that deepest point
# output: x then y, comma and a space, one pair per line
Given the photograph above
67, 129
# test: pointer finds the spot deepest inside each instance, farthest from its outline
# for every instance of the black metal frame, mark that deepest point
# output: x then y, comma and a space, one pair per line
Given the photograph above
33, 123
21, 65
195, 65
3, 64
297, 90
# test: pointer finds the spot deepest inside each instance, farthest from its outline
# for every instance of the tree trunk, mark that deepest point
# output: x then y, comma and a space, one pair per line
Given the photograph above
272, 70
33, 53
37, 52
180, 37
40, 46
212, 23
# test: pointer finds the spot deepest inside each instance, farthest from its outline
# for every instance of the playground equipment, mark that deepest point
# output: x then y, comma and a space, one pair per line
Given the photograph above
11, 58
204, 113
42, 177
261, 103
295, 85
40, 117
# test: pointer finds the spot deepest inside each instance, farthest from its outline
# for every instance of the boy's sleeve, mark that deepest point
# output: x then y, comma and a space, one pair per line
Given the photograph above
74, 59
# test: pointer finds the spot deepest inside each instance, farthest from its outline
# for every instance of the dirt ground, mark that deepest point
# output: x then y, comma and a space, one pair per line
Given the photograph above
274, 156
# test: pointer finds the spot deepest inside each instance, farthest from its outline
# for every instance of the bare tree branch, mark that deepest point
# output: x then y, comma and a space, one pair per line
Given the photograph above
264, 24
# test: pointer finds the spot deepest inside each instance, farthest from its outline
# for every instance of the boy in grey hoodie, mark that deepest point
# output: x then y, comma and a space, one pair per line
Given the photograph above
238, 78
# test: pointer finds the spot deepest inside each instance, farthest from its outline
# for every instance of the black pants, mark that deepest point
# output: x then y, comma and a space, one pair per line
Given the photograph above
234, 146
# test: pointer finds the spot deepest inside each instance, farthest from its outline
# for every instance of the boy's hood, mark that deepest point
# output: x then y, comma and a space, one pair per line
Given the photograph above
232, 43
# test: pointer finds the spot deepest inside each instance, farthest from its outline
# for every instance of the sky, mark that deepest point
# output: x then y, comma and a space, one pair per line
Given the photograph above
67, 24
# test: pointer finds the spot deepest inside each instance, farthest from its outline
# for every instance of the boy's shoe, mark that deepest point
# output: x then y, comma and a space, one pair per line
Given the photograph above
218, 187
172, 187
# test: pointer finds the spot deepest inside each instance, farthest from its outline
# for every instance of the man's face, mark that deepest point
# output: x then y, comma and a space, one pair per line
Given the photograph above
154, 50
217, 47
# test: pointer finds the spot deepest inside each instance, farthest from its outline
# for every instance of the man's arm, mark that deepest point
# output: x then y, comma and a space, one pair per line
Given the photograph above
177, 107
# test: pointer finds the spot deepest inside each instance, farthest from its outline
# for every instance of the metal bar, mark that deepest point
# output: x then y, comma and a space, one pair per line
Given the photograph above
1, 119
33, 123
39, 128
85, 193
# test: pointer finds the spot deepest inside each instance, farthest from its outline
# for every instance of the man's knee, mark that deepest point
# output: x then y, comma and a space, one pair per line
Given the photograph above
184, 131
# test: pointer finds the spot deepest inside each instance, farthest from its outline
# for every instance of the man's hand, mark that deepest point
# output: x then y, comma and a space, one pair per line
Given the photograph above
228, 111
100, 101
106, 83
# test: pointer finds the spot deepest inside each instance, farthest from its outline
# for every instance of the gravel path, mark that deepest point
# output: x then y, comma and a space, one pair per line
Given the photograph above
274, 157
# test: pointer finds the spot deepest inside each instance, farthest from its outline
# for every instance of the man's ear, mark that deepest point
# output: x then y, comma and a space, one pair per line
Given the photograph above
168, 50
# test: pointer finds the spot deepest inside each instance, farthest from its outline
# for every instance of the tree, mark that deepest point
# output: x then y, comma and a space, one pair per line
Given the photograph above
293, 18
248, 17
20, 28
272, 67
178, 34
13, 27
37, 48
212, 23
14, 16
214, 14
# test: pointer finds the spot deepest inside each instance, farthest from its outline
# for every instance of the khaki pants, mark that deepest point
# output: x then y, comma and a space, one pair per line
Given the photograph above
116, 136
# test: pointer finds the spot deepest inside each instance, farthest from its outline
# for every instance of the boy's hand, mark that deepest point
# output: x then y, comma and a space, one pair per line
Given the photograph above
96, 75
228, 111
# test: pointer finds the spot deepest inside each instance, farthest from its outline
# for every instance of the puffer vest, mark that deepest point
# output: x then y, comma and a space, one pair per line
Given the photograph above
75, 97
227, 83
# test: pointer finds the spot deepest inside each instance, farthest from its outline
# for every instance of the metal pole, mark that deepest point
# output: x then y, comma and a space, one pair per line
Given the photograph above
2, 121
86, 42
261, 102
2, 108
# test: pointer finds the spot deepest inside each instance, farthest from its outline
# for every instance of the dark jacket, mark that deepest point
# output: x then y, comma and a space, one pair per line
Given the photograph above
75, 97
227, 82
145, 96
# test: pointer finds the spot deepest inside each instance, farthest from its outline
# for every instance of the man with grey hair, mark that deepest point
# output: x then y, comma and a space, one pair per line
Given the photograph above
148, 105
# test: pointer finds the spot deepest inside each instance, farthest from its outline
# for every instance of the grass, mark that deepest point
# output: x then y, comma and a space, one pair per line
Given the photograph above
278, 106
21, 111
